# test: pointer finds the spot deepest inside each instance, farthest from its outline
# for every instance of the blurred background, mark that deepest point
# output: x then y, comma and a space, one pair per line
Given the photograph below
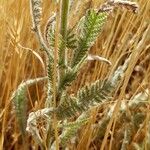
21, 57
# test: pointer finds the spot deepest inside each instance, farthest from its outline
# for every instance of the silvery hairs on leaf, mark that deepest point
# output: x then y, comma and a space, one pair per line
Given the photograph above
111, 4
133, 6
50, 24
36, 12
98, 58
32, 123
34, 116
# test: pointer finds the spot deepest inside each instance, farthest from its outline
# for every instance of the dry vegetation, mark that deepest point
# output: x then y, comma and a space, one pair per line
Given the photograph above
21, 59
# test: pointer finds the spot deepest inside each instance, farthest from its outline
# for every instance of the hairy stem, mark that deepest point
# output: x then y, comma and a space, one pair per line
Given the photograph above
55, 74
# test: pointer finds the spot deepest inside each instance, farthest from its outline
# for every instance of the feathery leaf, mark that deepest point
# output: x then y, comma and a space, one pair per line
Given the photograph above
93, 24
86, 97
20, 101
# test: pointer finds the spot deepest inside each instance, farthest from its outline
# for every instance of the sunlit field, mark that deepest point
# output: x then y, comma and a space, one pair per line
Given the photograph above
75, 75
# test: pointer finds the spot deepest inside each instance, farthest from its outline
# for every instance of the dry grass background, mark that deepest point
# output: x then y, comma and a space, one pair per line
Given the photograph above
21, 58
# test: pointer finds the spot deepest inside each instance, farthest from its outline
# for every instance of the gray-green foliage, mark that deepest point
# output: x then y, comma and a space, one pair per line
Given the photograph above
86, 97
77, 40
92, 25
71, 42
20, 101
70, 129
20, 107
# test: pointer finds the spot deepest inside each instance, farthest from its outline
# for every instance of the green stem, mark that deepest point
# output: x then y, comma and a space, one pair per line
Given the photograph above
64, 17
63, 32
